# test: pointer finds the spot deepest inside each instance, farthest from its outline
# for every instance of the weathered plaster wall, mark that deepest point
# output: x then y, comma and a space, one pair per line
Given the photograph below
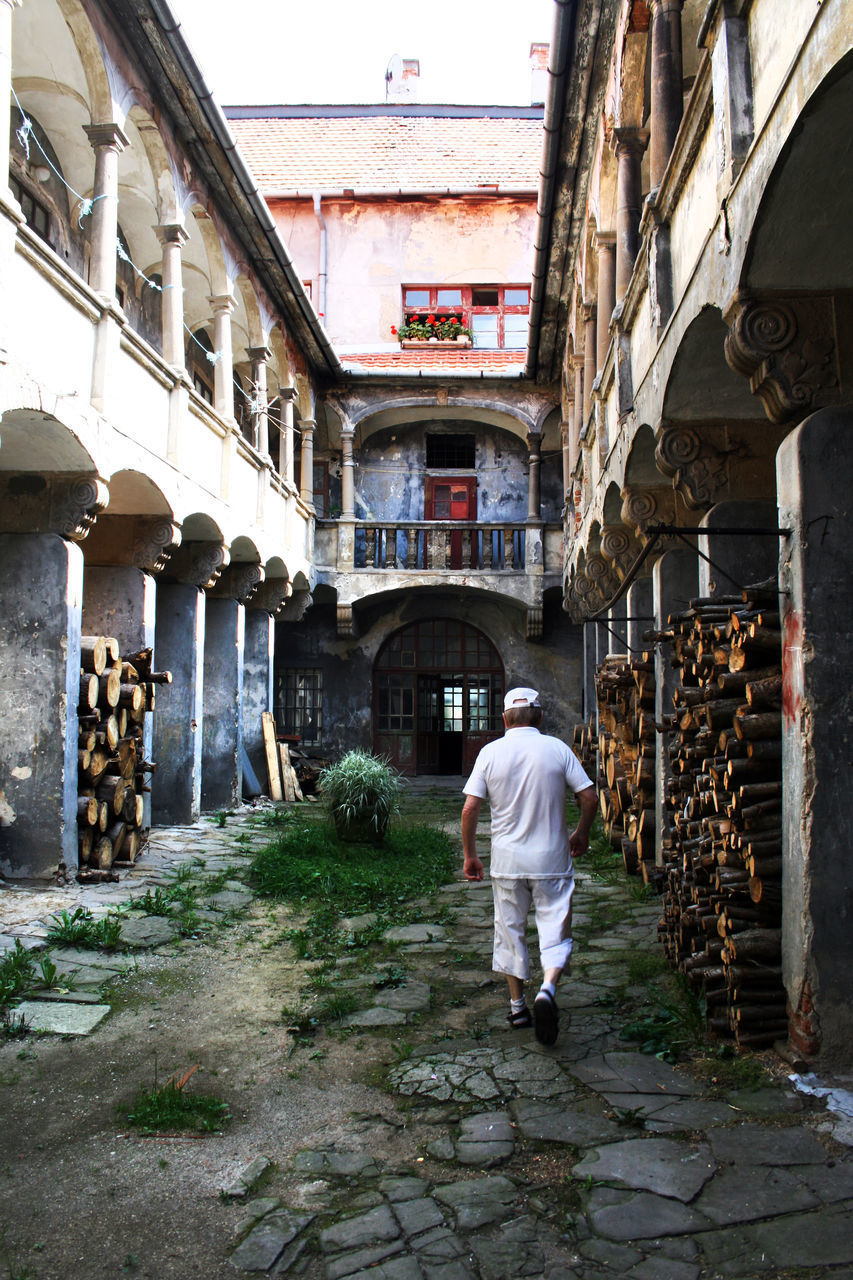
391, 466
554, 666
373, 248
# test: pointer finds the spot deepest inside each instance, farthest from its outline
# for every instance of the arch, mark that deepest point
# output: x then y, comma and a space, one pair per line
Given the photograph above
640, 467
800, 238
166, 201
134, 493
198, 526
612, 507
408, 409
701, 385
244, 551
35, 441
255, 328
91, 60
438, 695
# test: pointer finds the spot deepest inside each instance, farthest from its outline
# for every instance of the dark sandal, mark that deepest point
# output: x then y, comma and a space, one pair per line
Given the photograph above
518, 1021
545, 1020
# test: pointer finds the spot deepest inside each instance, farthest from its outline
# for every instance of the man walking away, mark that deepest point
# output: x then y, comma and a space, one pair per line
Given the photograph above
525, 775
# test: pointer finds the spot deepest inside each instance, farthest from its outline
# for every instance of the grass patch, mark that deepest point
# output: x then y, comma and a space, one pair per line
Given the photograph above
170, 1108
17, 973
81, 929
309, 864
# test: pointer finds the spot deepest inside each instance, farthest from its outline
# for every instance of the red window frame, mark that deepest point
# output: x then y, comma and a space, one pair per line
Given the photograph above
468, 306
457, 485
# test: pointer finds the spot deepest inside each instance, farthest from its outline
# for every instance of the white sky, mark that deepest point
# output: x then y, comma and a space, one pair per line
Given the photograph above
319, 51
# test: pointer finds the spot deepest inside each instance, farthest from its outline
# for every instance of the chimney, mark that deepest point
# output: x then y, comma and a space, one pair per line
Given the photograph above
538, 74
401, 80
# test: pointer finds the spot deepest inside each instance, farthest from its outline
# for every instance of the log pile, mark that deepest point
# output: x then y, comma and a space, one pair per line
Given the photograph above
625, 693
722, 906
115, 695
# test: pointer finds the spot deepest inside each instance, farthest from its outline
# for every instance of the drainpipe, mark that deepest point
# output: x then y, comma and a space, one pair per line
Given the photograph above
322, 273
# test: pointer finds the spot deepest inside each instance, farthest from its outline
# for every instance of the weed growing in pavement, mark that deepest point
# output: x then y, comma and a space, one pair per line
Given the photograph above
81, 929
169, 1107
221, 818
728, 1068
12, 1025
48, 971
17, 972
673, 1025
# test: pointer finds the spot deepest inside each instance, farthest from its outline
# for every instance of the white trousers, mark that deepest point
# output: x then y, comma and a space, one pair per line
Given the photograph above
552, 906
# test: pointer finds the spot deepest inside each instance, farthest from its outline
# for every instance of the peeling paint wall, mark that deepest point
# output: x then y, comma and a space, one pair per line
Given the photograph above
375, 247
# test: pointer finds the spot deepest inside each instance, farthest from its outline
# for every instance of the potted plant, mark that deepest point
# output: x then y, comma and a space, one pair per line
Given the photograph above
361, 793
417, 329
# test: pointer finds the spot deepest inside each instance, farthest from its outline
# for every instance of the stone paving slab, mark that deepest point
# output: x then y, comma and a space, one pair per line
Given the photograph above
61, 1019
661, 1165
618, 1215
571, 1127
751, 1144
485, 1139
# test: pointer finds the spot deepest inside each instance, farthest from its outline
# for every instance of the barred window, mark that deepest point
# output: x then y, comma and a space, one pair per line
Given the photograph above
301, 707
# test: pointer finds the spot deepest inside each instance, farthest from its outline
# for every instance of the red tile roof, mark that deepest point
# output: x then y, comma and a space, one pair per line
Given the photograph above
390, 153
444, 360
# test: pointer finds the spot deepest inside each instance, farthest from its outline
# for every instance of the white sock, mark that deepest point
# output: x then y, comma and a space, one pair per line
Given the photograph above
517, 1006
549, 988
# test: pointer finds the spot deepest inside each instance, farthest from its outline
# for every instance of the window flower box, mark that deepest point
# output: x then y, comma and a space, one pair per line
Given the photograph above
461, 341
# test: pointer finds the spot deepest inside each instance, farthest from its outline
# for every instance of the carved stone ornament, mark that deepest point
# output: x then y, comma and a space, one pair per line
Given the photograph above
239, 581
698, 468
788, 352
619, 548
346, 622
76, 506
154, 544
198, 564
271, 595
296, 606
644, 507
534, 622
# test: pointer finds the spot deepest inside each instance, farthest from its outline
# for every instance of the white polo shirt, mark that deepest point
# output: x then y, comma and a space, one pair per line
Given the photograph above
524, 775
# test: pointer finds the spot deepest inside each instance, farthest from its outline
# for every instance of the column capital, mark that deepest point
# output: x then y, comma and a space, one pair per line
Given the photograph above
630, 140
106, 135
259, 353
287, 395
307, 426
172, 233
605, 240
222, 303
587, 311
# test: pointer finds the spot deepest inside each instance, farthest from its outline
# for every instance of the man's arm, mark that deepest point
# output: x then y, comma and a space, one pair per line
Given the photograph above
579, 839
472, 868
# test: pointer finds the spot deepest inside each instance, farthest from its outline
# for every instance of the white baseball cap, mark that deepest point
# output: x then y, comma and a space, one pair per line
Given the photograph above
521, 698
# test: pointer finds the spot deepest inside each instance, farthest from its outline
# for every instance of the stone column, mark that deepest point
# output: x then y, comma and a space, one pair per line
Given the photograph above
221, 759
617, 622
120, 601
257, 686
286, 397
307, 465
738, 561
667, 90
565, 452
675, 579
640, 616
259, 357
578, 416
172, 237
41, 586
534, 445
223, 370
6, 7
589, 358
107, 141
814, 470
630, 145
347, 477
606, 295
177, 737
590, 707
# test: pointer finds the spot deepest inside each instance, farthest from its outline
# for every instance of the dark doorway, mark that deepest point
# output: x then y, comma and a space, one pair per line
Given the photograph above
438, 694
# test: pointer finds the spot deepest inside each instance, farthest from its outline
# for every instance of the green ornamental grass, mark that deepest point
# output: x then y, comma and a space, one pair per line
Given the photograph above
361, 793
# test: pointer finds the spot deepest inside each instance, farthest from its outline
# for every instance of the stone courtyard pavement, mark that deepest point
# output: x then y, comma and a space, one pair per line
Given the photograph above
585, 1161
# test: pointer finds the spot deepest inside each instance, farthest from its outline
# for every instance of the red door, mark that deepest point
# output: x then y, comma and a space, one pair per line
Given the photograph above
453, 499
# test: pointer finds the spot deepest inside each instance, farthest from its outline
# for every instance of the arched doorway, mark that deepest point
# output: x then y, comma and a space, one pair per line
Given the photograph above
437, 696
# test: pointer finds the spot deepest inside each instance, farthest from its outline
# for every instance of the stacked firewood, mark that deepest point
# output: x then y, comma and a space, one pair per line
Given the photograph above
722, 906
115, 694
625, 693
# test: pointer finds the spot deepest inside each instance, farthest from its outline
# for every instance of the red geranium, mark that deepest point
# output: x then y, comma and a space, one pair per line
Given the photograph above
394, 330
430, 319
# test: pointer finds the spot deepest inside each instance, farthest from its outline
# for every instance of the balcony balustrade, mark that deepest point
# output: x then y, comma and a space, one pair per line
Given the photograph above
425, 545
